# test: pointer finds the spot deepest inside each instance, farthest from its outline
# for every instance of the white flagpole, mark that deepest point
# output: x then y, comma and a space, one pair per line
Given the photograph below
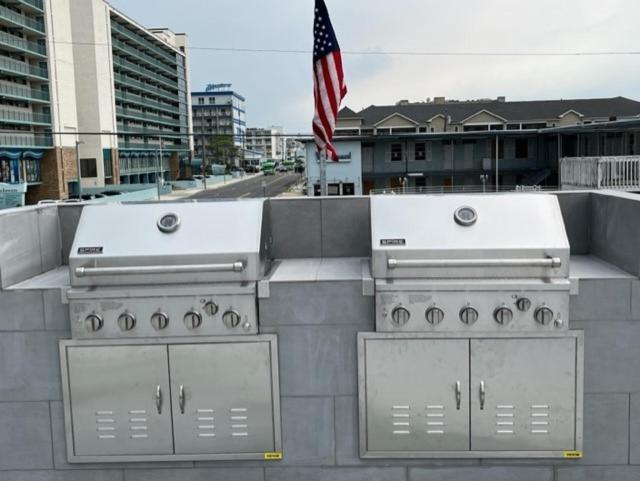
323, 173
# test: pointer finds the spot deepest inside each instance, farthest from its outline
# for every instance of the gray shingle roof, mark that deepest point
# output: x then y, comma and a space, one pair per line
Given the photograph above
512, 111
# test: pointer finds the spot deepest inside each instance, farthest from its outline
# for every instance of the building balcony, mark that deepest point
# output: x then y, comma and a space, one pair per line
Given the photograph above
147, 59
21, 69
147, 117
125, 145
18, 44
131, 129
24, 118
143, 87
22, 92
25, 140
611, 173
144, 102
143, 42
13, 19
34, 6
139, 70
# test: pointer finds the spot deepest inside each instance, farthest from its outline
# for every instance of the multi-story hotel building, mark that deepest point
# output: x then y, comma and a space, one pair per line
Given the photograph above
70, 69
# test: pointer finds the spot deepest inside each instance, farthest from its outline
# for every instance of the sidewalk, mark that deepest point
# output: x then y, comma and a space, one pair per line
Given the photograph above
212, 184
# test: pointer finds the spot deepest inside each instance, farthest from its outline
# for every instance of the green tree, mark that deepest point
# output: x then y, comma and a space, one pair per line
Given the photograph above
224, 150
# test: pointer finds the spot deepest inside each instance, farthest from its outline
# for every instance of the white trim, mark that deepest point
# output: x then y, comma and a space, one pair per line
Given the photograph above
396, 114
483, 111
436, 116
561, 116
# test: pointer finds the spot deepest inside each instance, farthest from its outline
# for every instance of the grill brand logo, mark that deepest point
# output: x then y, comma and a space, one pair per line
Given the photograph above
393, 242
88, 251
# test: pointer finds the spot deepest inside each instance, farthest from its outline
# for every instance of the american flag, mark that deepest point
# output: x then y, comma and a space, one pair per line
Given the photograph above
328, 76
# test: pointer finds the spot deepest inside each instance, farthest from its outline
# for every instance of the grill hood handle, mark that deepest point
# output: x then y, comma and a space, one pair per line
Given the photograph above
143, 270
554, 262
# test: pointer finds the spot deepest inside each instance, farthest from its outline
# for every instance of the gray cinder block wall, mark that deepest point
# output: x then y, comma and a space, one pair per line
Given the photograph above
318, 358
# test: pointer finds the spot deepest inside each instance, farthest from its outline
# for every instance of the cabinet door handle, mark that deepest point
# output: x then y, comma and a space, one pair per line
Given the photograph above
458, 395
181, 399
483, 395
159, 399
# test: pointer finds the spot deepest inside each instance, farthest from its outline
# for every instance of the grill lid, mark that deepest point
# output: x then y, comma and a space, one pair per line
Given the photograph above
458, 236
167, 243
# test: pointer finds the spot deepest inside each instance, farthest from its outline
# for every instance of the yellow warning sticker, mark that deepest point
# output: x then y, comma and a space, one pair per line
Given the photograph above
275, 456
573, 454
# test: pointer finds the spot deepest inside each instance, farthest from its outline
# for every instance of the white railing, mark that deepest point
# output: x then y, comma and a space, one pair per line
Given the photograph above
460, 189
618, 173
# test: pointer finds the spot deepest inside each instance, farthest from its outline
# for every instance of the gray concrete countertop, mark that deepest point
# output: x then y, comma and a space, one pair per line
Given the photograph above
320, 269
591, 267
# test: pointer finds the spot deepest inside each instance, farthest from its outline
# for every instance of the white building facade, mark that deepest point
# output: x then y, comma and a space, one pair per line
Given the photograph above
344, 178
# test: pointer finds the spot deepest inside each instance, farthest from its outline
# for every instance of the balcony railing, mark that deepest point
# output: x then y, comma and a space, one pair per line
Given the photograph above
151, 147
22, 44
16, 117
34, 4
132, 129
142, 41
20, 20
140, 70
615, 173
138, 100
148, 59
133, 83
20, 68
144, 116
20, 92
25, 140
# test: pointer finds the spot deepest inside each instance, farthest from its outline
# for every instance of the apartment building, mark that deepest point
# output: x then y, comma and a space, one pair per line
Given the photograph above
73, 67
218, 111
268, 141
451, 145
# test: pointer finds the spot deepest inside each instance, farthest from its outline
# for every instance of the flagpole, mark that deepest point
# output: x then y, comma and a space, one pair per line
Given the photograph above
323, 173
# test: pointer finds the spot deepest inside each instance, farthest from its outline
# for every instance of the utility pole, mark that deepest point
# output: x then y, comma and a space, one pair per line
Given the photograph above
204, 154
497, 163
79, 167
323, 173
159, 170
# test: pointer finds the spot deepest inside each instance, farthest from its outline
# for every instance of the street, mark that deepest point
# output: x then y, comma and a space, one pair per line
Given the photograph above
252, 188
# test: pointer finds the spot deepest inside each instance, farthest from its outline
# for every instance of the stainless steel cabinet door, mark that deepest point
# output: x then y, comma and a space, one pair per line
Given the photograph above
222, 398
417, 395
120, 400
523, 394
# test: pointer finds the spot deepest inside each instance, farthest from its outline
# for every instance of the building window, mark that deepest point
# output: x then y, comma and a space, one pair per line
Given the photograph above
88, 168
421, 151
200, 101
212, 100
522, 148
333, 189
396, 152
348, 189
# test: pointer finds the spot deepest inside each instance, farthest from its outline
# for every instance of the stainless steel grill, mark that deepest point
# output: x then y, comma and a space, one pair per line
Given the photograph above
473, 356
166, 363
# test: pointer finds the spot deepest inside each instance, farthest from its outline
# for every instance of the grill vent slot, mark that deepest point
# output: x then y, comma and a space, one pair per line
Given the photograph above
401, 419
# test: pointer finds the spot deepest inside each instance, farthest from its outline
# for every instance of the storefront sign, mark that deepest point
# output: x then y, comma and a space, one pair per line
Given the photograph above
12, 195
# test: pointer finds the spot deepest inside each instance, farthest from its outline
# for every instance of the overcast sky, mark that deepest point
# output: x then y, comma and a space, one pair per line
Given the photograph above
278, 87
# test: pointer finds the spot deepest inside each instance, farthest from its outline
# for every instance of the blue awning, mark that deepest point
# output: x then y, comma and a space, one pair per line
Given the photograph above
30, 154
10, 155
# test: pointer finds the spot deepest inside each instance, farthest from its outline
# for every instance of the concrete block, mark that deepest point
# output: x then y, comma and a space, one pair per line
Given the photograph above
335, 474
60, 450
602, 300
93, 475
308, 431
50, 244
634, 427
635, 300
56, 314
25, 436
576, 211
598, 473
611, 356
339, 302
30, 366
317, 360
19, 247
21, 311
606, 429
486, 473
346, 227
69, 216
200, 474
296, 228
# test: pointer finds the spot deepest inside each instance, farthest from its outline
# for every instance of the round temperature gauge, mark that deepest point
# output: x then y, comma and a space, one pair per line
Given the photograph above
169, 223
465, 216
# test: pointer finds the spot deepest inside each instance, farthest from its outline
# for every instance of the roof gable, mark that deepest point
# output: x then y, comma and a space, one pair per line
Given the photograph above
482, 116
392, 120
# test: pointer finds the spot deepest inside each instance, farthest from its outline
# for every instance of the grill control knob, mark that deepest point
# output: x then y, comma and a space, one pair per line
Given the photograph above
211, 308
503, 315
400, 316
159, 321
523, 304
469, 315
434, 316
544, 315
193, 320
126, 321
231, 319
93, 322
